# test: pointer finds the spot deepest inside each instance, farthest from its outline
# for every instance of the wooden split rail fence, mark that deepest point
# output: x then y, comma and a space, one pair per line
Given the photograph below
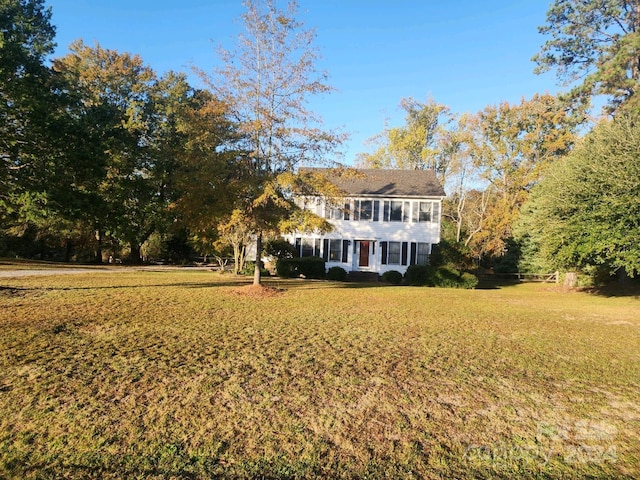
530, 277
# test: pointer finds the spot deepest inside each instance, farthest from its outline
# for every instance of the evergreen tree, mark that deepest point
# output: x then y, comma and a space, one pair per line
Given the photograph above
586, 213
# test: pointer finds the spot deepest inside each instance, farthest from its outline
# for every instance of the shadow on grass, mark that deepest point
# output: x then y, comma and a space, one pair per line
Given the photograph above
487, 282
275, 282
112, 287
630, 288
282, 284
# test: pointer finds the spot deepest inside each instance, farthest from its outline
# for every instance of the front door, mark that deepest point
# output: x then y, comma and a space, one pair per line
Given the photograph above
364, 254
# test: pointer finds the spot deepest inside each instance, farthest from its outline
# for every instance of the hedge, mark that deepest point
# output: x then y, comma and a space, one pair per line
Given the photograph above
308, 267
446, 276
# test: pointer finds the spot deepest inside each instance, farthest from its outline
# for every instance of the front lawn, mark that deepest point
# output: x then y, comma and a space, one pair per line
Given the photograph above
178, 375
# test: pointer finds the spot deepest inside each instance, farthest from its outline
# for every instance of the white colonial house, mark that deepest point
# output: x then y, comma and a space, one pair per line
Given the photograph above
385, 220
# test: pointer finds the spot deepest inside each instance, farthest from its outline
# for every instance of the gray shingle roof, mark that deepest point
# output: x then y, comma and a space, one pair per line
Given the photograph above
388, 183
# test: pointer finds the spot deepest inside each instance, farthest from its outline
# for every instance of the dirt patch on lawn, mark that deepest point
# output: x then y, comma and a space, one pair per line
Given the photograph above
257, 291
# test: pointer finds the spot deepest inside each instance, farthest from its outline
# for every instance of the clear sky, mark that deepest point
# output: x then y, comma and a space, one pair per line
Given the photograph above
466, 54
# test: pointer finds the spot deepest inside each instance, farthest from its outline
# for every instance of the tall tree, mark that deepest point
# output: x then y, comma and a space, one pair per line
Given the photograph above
423, 142
267, 81
586, 213
26, 39
206, 178
597, 44
132, 115
513, 146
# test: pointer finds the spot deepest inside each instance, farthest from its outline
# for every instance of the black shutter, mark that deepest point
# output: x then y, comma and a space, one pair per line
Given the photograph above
404, 253
376, 210
325, 249
414, 250
383, 246
347, 209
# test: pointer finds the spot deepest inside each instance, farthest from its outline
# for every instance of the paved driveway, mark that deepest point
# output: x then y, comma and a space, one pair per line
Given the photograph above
54, 271
75, 270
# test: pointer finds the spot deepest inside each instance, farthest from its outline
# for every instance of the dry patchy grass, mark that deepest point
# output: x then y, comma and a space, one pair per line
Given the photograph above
175, 375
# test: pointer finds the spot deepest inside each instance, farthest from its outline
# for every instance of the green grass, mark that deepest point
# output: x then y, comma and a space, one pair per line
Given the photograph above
173, 375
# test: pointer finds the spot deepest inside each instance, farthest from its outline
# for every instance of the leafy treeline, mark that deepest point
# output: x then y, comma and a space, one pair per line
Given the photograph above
490, 162
95, 147
102, 157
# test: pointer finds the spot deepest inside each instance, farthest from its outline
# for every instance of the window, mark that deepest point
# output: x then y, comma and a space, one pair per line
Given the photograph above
422, 254
395, 253
421, 211
393, 257
308, 247
395, 213
335, 250
406, 212
363, 210
435, 215
366, 210
334, 213
347, 210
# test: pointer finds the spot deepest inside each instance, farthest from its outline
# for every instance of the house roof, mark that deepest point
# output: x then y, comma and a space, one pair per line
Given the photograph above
388, 183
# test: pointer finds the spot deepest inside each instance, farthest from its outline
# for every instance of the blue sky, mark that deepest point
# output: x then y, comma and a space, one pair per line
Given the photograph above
466, 54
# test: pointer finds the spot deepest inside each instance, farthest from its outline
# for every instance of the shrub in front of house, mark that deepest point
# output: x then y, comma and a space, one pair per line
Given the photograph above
468, 280
445, 277
308, 267
393, 277
286, 268
337, 274
420, 275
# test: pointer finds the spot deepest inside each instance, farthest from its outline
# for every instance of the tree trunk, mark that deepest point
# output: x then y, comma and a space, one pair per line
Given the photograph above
237, 267
243, 257
134, 256
570, 279
68, 250
257, 274
98, 253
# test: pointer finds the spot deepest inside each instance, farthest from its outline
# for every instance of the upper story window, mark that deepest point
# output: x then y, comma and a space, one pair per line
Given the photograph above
422, 211
386, 211
366, 210
396, 211
334, 213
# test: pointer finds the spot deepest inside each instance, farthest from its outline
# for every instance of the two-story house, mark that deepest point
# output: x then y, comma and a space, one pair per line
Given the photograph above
385, 220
